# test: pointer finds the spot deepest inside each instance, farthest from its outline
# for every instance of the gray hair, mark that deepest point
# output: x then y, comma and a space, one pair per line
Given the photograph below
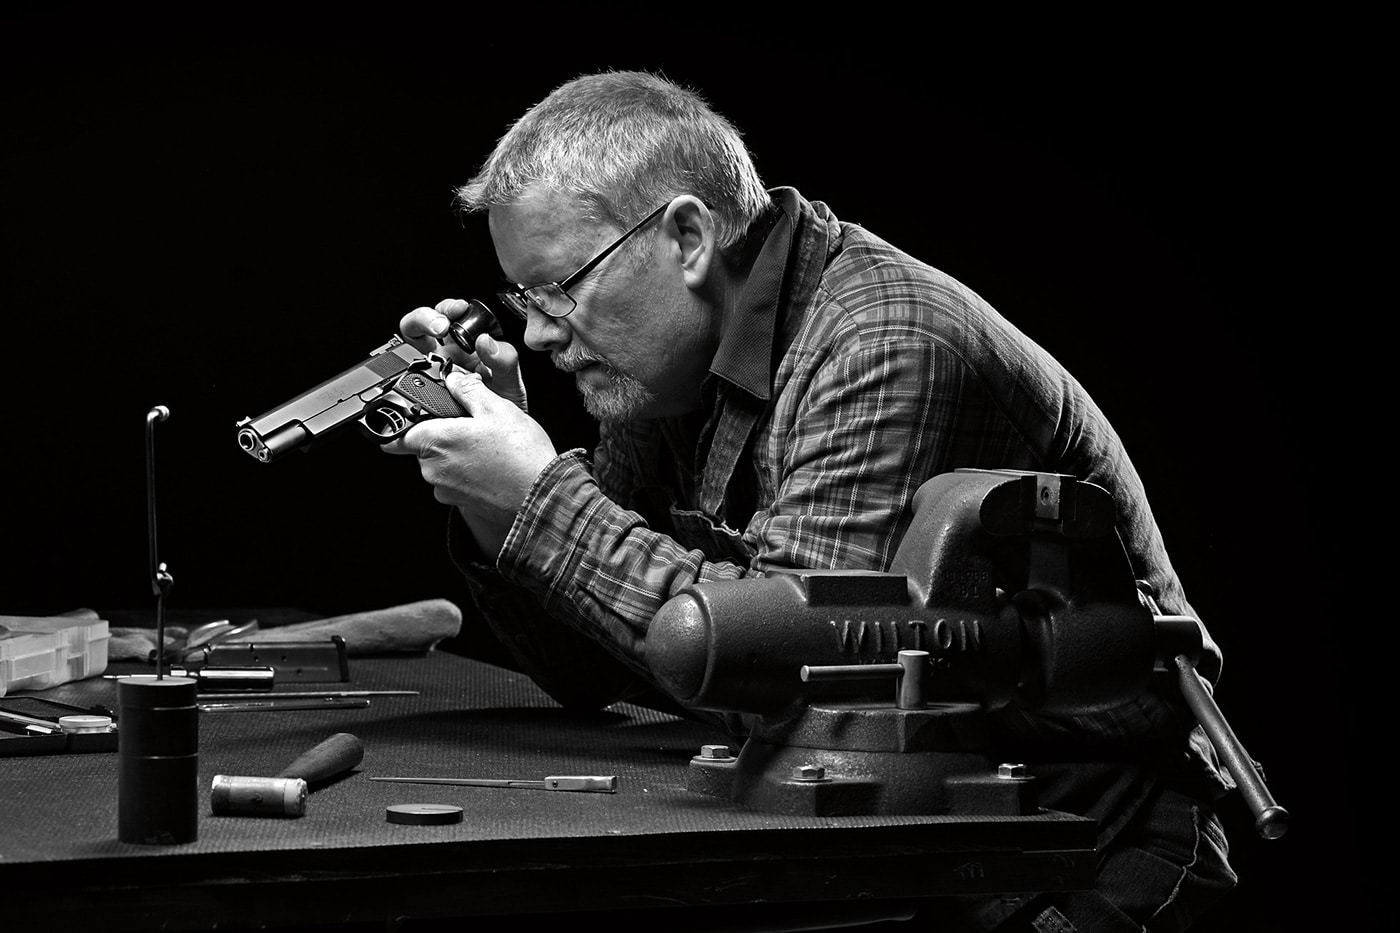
621, 143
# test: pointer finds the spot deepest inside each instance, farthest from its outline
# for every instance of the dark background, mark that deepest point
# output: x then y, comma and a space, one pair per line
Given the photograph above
213, 212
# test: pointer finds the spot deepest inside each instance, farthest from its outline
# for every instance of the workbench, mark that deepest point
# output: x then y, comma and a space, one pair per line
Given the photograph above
651, 850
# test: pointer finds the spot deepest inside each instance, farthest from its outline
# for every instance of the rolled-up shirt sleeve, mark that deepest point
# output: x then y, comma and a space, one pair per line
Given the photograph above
835, 484
595, 565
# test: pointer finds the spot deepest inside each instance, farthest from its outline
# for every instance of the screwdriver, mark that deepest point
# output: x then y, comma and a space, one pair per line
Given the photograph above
589, 783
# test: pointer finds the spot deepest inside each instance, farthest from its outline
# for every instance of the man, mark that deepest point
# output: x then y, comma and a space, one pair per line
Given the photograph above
772, 387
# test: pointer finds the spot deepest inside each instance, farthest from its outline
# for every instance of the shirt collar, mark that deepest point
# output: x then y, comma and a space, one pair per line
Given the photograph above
745, 354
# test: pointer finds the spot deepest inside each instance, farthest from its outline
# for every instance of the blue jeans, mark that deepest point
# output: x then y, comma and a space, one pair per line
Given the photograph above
1164, 870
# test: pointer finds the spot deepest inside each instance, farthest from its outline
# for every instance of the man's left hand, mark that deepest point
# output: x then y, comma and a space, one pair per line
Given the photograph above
483, 464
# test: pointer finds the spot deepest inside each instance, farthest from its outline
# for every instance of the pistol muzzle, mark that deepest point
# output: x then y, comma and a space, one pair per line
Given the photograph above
274, 444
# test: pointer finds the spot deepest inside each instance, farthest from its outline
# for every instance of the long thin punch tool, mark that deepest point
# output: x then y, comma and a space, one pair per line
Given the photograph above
596, 784
315, 694
253, 706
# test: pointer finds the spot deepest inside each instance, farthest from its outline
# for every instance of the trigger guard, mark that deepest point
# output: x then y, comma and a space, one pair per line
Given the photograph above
385, 422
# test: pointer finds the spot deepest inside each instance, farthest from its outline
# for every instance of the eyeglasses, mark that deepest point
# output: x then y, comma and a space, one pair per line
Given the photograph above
553, 298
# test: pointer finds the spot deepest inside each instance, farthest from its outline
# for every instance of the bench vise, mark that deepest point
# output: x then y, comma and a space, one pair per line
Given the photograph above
870, 692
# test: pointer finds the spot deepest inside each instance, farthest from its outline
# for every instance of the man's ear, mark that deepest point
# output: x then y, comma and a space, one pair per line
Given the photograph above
691, 227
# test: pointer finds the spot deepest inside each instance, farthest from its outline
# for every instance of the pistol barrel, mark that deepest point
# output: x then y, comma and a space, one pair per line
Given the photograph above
334, 403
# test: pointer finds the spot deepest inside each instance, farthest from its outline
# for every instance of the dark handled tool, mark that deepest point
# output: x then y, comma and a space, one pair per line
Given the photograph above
285, 793
590, 783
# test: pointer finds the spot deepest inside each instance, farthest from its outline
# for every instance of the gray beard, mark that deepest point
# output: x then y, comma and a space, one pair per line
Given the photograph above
622, 399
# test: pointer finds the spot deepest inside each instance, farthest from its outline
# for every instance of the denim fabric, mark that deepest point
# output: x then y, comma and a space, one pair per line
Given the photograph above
1167, 868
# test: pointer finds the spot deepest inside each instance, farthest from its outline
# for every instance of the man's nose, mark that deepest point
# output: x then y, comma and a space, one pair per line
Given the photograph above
543, 332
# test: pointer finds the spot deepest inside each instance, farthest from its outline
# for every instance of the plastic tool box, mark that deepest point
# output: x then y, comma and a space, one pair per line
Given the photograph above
44, 651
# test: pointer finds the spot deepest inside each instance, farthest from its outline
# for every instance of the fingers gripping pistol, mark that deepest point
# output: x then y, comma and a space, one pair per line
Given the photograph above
871, 692
385, 395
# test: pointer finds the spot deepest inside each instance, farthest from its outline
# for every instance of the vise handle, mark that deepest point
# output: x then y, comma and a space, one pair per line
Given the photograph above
1270, 820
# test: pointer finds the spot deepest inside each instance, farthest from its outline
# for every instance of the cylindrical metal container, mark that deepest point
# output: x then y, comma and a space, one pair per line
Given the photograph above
158, 761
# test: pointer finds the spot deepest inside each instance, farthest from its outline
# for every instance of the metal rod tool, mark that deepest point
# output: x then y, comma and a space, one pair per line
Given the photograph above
322, 694
269, 706
589, 783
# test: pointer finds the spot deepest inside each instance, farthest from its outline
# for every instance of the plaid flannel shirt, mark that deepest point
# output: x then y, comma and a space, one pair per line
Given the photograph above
849, 374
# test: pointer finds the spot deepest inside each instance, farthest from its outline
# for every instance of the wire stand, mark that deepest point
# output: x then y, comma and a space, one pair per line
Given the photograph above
161, 580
